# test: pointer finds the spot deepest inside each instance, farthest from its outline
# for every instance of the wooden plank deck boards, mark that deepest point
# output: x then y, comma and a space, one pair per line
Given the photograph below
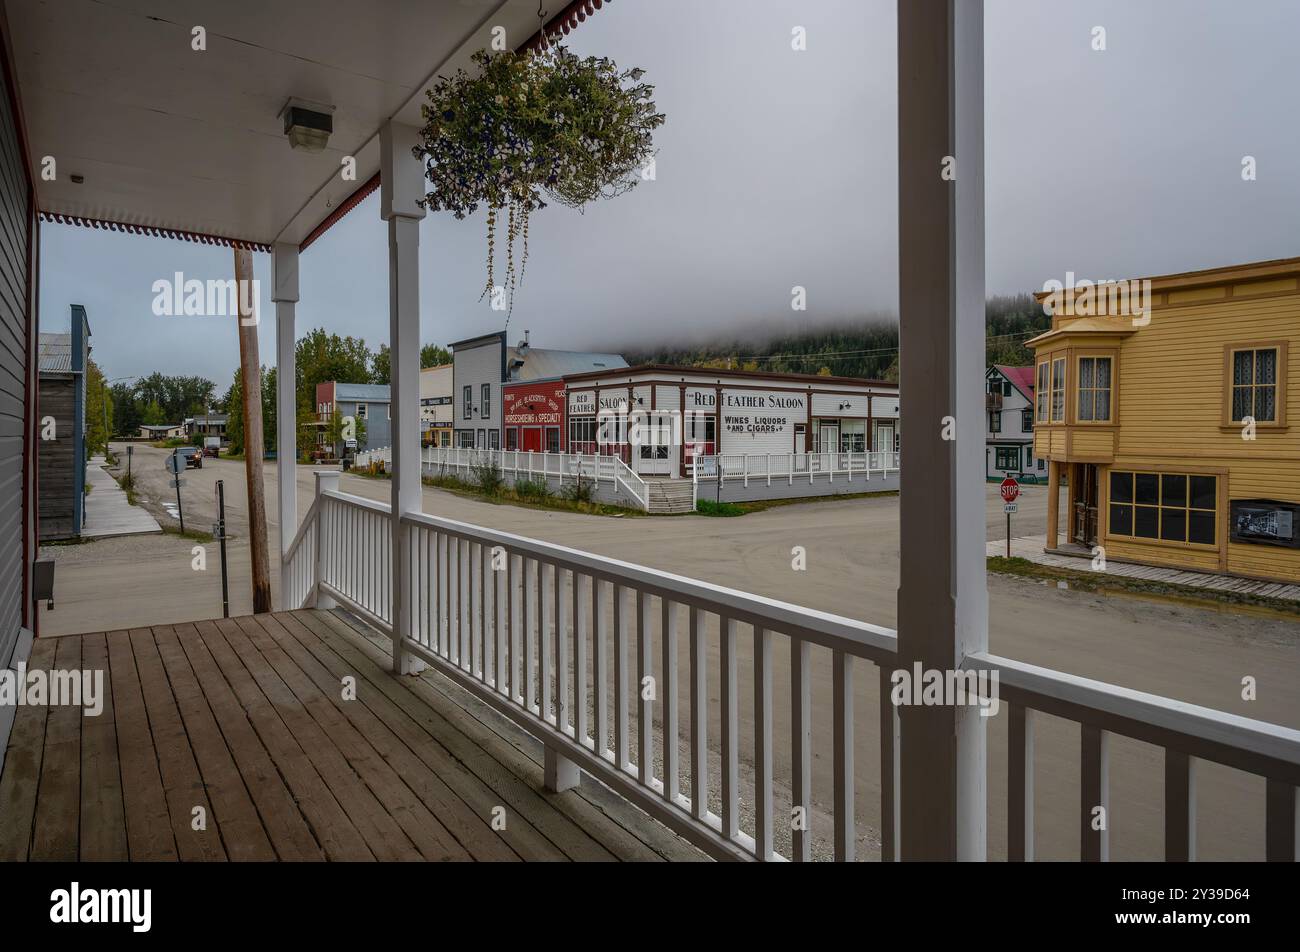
628, 834
287, 827
103, 820
400, 745
22, 768
447, 750
335, 833
246, 718
421, 827
149, 835
365, 814
182, 785
234, 815
58, 799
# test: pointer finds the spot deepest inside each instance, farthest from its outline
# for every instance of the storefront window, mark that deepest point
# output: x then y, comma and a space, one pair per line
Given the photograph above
1171, 507
582, 434
853, 436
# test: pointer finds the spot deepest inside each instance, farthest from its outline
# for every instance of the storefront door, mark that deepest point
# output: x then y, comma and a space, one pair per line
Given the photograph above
884, 438
1085, 504
654, 453
531, 439
828, 438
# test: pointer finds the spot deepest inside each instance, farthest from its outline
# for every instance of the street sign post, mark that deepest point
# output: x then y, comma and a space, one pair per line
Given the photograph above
1009, 490
219, 530
174, 466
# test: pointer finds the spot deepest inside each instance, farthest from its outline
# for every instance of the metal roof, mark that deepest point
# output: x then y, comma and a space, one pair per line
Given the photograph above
377, 392
55, 354
543, 364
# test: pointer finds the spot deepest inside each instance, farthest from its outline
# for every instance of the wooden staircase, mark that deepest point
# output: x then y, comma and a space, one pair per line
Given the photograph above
670, 496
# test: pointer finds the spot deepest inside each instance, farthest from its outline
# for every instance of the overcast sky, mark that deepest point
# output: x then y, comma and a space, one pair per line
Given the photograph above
778, 168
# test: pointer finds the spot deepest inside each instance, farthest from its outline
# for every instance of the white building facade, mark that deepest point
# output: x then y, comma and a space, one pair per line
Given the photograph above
1009, 425
659, 418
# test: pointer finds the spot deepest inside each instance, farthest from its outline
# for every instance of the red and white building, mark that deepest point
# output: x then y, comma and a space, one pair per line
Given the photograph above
533, 416
659, 418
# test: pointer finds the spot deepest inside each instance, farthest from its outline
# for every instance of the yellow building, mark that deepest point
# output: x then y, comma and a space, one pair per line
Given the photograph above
1164, 405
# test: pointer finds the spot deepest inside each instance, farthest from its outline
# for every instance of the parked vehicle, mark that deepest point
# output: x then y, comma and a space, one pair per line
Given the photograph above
192, 456
212, 446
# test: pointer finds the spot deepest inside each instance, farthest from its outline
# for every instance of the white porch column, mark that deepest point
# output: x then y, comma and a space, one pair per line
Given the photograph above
284, 273
942, 596
401, 187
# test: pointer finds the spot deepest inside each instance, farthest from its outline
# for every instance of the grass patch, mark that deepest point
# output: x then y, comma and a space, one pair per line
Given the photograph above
1105, 582
194, 535
127, 482
759, 505
707, 507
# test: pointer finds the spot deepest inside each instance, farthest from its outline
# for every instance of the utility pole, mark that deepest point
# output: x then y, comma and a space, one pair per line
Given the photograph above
250, 368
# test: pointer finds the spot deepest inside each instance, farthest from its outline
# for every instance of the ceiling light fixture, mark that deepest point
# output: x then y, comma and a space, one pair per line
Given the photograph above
307, 124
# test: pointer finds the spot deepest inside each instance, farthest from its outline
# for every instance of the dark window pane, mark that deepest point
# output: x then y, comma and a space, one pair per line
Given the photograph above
1242, 367
1103, 372
1203, 494
1121, 520
1265, 403
1173, 525
1266, 366
1173, 490
1241, 402
1148, 488
1200, 527
1145, 521
1121, 487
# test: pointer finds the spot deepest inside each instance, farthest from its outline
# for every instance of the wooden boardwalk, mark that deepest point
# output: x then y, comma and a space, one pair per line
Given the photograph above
1031, 548
108, 513
232, 740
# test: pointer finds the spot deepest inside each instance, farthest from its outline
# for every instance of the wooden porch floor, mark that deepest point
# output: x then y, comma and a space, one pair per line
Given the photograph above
245, 718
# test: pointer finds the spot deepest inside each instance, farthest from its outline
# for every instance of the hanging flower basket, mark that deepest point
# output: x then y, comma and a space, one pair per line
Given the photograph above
533, 127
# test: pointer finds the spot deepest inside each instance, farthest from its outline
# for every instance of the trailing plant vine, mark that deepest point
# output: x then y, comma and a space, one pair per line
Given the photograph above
528, 128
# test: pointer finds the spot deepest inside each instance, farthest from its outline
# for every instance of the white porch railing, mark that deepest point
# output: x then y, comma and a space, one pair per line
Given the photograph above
527, 464
562, 642
795, 466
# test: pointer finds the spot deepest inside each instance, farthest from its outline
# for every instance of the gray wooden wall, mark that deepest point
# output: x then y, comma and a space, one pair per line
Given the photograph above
15, 223
56, 459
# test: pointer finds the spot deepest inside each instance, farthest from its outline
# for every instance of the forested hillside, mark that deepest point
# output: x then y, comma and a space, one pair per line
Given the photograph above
870, 350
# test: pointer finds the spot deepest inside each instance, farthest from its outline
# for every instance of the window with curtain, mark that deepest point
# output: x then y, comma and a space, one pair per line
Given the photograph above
1041, 392
1094, 389
1254, 384
1058, 390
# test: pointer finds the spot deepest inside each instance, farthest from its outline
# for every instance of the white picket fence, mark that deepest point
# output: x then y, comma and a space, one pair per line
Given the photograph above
526, 464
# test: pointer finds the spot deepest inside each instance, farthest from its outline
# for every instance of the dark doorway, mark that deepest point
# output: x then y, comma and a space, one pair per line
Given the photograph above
1084, 526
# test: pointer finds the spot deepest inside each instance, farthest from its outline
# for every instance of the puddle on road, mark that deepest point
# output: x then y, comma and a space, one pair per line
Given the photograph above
172, 510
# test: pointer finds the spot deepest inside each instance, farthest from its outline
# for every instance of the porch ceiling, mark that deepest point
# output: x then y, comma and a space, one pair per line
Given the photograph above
168, 137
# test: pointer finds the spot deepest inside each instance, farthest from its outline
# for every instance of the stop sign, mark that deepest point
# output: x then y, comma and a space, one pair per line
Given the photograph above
1010, 490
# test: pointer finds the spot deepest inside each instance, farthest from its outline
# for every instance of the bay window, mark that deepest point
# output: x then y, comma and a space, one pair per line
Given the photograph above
1094, 389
